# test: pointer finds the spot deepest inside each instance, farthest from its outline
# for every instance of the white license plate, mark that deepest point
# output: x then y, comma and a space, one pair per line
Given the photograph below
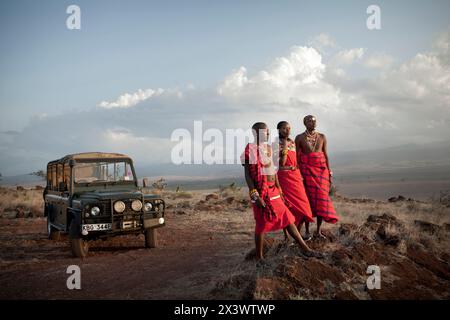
97, 226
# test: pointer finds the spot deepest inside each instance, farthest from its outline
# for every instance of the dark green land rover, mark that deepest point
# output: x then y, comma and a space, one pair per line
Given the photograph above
96, 195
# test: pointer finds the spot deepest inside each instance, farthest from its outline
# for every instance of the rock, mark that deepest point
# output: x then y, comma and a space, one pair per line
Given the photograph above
375, 221
341, 257
38, 188
245, 203
369, 253
388, 238
229, 200
312, 275
184, 205
428, 261
429, 227
203, 207
346, 229
384, 218
212, 196
20, 188
446, 227
273, 288
20, 212
396, 199
180, 212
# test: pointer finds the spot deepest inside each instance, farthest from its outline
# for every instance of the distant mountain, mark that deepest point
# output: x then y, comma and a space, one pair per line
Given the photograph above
425, 159
408, 156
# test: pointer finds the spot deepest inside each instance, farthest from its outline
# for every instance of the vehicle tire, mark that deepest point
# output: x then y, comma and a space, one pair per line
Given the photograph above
79, 246
53, 233
151, 238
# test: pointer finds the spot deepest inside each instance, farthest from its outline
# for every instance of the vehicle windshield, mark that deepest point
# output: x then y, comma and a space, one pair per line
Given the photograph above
103, 171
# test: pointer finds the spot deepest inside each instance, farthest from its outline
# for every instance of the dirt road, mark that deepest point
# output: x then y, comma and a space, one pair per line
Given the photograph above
195, 250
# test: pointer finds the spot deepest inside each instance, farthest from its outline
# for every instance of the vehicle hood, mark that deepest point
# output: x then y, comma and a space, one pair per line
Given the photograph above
106, 195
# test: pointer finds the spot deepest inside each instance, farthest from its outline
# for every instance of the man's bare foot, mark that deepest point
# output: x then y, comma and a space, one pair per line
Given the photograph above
307, 237
320, 235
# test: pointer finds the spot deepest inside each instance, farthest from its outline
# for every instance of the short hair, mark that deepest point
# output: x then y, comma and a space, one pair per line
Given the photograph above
307, 117
281, 123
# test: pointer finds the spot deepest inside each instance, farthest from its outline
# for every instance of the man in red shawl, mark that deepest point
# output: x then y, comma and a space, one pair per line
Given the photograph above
269, 209
291, 181
314, 166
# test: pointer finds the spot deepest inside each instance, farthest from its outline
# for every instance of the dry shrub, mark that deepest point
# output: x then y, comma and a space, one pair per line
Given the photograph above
29, 200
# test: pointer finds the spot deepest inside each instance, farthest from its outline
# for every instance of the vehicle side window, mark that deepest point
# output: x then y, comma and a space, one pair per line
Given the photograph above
59, 177
49, 178
66, 176
54, 185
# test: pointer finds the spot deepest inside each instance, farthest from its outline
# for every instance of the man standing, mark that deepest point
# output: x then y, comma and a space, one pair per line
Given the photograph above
290, 178
269, 210
314, 166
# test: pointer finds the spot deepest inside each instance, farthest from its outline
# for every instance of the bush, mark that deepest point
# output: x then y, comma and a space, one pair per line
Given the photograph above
159, 184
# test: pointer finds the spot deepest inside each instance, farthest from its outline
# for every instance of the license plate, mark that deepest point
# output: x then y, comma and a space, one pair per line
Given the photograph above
97, 226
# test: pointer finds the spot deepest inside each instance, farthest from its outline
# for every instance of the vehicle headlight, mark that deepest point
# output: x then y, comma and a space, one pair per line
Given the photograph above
136, 205
148, 206
119, 206
95, 211
161, 220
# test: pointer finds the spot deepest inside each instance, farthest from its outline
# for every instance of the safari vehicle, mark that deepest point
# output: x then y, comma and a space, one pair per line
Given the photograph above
96, 195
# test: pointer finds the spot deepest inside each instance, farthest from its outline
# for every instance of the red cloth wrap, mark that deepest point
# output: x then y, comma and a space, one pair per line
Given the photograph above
275, 215
291, 183
317, 184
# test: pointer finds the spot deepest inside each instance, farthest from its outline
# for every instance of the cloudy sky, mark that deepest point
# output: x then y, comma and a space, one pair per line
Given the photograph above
138, 70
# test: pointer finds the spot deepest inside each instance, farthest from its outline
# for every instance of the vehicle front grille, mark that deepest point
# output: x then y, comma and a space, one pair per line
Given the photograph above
107, 208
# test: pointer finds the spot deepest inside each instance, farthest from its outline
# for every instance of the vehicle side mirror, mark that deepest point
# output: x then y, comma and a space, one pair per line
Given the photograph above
145, 182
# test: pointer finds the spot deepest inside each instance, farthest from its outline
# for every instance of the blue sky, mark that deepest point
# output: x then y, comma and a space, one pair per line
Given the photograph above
124, 46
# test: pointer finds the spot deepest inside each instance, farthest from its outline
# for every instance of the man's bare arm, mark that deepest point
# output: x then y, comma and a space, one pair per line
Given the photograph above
324, 149
251, 185
298, 144
248, 179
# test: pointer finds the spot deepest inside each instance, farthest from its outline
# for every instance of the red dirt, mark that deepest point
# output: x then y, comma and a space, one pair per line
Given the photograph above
190, 258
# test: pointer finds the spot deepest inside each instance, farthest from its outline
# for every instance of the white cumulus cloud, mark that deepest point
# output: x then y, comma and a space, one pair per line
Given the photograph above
127, 100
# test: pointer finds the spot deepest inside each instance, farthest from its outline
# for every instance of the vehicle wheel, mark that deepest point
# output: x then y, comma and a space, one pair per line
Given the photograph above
79, 246
53, 233
150, 238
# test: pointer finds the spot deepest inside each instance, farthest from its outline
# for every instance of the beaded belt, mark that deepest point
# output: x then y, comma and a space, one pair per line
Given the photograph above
288, 168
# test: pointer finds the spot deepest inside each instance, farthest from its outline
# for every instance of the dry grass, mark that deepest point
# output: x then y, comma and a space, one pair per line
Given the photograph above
407, 212
29, 200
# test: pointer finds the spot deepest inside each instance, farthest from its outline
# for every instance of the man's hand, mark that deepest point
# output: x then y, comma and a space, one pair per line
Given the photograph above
260, 202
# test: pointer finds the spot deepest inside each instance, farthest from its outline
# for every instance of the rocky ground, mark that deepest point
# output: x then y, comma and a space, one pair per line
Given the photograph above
206, 252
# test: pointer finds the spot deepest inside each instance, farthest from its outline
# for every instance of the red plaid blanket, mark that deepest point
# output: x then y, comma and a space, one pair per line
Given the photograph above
317, 184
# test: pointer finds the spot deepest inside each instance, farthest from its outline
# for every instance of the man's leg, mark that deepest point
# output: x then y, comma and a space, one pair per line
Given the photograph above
293, 231
307, 233
286, 237
259, 244
319, 225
